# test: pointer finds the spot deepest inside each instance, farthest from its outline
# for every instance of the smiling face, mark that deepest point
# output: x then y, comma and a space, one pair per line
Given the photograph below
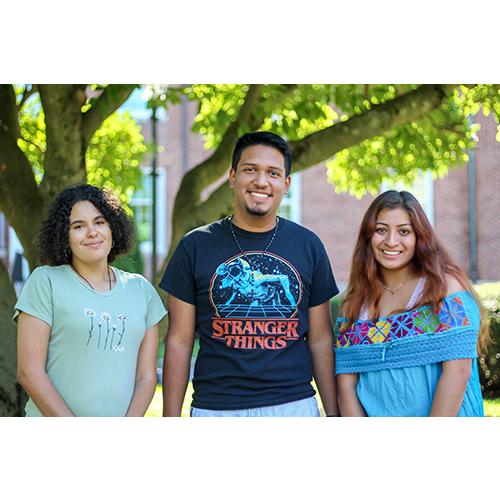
259, 181
394, 240
90, 236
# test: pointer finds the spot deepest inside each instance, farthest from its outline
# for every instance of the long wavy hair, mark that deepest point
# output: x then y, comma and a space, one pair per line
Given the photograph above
430, 260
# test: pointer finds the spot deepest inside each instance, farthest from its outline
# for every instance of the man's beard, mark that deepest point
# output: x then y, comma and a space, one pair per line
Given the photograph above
256, 213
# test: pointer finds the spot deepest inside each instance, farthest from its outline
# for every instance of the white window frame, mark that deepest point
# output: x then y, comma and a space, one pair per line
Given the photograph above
293, 200
161, 210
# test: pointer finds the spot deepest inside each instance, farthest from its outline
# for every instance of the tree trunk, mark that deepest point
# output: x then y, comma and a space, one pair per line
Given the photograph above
12, 396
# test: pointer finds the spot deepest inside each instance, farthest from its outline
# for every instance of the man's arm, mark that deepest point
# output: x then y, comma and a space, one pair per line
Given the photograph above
32, 344
349, 403
178, 351
320, 341
145, 374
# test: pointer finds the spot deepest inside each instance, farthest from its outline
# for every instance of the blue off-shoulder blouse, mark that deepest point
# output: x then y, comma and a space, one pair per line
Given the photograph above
399, 357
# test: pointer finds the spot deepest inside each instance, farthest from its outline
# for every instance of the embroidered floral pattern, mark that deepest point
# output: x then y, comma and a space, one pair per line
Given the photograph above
421, 321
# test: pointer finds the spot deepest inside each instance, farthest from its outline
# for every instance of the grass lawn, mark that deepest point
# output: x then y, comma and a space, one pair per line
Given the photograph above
491, 407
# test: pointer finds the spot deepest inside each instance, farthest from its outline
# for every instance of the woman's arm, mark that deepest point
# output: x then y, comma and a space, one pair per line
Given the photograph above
349, 403
178, 352
32, 344
454, 378
145, 374
451, 388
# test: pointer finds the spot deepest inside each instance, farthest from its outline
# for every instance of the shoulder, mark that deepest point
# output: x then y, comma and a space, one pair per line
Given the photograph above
47, 273
301, 232
203, 233
131, 278
136, 283
453, 285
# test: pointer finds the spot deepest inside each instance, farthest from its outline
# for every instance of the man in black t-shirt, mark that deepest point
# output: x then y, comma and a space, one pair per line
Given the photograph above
255, 288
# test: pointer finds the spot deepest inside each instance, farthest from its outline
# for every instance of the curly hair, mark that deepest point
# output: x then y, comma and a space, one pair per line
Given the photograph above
53, 238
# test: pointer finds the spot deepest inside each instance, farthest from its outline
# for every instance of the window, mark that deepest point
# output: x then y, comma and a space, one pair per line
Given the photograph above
290, 207
142, 205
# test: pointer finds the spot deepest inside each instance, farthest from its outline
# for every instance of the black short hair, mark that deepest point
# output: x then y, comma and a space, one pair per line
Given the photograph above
265, 139
53, 239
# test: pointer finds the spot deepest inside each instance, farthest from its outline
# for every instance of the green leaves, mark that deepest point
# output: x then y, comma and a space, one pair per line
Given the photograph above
115, 154
438, 142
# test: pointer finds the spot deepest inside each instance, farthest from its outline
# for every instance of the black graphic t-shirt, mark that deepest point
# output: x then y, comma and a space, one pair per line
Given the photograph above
251, 311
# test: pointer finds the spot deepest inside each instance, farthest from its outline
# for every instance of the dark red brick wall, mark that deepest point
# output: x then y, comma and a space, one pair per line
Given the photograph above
488, 200
334, 217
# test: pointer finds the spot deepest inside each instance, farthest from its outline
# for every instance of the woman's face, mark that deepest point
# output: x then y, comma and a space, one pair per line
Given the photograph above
393, 242
90, 237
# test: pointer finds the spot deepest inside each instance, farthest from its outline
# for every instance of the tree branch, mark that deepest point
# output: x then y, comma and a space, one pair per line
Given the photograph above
197, 179
20, 199
8, 111
105, 105
64, 161
217, 206
322, 145
26, 94
32, 143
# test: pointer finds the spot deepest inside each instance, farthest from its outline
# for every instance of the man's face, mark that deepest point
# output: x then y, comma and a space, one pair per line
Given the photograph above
259, 181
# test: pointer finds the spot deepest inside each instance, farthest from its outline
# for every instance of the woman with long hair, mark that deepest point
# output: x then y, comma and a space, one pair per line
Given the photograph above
87, 331
411, 324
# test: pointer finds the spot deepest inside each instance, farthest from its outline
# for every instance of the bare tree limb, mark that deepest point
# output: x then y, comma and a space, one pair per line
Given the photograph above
37, 146
64, 161
106, 104
322, 145
8, 111
213, 167
20, 198
26, 94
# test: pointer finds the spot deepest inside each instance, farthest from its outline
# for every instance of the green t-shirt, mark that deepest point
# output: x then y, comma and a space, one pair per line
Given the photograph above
95, 336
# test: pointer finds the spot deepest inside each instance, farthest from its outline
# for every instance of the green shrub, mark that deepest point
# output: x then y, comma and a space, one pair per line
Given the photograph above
489, 363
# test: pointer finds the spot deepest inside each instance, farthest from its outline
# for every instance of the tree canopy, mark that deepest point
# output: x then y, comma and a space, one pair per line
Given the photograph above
365, 133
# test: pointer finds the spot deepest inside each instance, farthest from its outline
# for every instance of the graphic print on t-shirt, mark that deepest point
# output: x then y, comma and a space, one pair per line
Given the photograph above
104, 328
255, 298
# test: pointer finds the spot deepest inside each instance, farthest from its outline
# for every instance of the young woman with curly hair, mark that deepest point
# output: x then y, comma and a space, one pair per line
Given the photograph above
87, 332
411, 324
